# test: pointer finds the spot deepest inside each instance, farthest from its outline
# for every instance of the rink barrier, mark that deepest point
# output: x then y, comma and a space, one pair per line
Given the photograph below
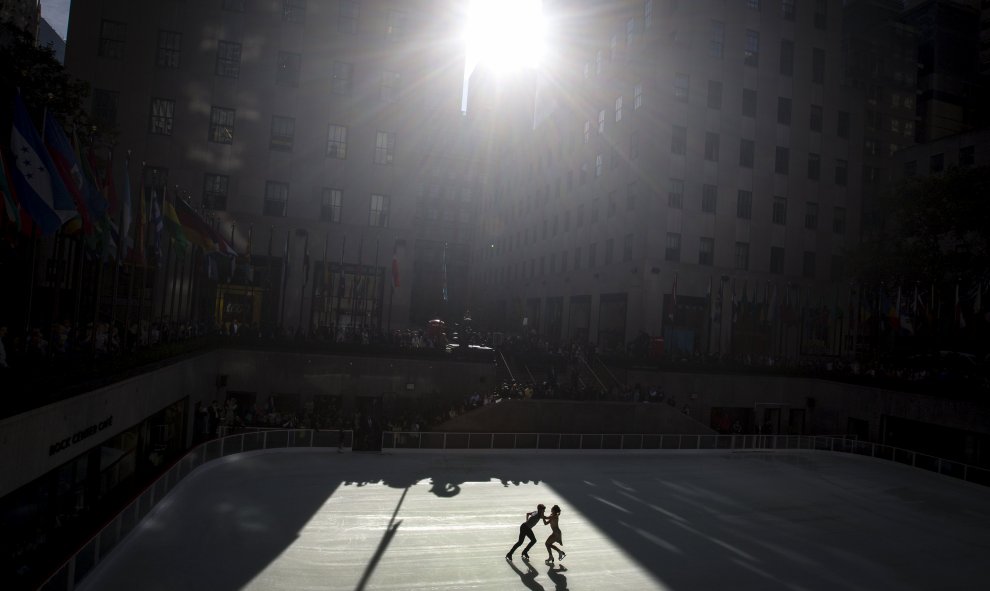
411, 440
102, 543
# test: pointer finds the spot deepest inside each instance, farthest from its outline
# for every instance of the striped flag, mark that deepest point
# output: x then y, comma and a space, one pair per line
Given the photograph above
40, 190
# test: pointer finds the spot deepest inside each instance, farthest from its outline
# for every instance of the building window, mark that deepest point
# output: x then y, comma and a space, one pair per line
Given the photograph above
630, 31
169, 49
841, 172
821, 14
675, 194
598, 165
786, 57
744, 204
967, 156
839, 220
396, 24
716, 43
749, 102
747, 153
818, 66
105, 106
787, 10
842, 125
601, 121
777, 260
751, 55
627, 248
390, 86
215, 191
814, 167
162, 115
337, 141
618, 109
808, 266
682, 83
113, 35
709, 198
673, 250
384, 147
780, 211
811, 216
294, 11
378, 212
332, 205
936, 163
782, 160
742, 255
228, 59
221, 125
632, 195
347, 16
587, 131
706, 251
283, 133
783, 110
637, 96
648, 14
343, 74
287, 70
816, 119
276, 199
634, 145
678, 140
714, 94
711, 146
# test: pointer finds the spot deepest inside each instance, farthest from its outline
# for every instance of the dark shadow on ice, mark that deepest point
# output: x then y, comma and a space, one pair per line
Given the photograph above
528, 577
393, 526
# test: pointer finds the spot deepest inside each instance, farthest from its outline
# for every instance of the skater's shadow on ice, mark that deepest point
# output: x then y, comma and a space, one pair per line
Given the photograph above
528, 577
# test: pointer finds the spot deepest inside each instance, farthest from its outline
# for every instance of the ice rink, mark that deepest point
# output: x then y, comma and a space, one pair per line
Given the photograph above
315, 519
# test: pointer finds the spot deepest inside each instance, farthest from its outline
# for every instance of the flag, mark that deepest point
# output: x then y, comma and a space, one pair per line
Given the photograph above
395, 267
126, 212
174, 227
155, 224
10, 207
69, 169
960, 319
196, 229
39, 189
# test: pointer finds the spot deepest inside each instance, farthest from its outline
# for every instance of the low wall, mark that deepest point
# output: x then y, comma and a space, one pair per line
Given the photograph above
562, 416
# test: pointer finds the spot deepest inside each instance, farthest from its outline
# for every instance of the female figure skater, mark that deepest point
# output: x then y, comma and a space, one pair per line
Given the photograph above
554, 535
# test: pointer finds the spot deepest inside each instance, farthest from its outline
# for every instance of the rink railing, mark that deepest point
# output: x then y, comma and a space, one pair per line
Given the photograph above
103, 542
98, 547
403, 440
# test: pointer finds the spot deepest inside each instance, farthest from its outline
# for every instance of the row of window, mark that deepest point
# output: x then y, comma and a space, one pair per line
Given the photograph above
281, 136
675, 199
216, 191
936, 162
113, 33
789, 10
537, 267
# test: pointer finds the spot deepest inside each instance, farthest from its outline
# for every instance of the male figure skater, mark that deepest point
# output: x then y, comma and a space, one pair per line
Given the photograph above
526, 531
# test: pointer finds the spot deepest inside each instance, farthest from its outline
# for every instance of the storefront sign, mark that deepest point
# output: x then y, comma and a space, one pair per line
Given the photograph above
79, 436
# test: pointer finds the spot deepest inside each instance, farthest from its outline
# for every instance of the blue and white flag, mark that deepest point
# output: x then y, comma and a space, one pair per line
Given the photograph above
39, 188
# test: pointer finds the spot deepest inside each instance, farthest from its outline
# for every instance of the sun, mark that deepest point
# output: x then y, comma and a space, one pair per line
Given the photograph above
504, 34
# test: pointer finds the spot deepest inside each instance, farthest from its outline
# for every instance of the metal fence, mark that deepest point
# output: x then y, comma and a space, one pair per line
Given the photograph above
604, 441
103, 542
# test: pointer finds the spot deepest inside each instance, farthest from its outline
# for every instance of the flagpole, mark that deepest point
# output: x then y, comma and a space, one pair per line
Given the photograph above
305, 280
377, 320
268, 273
285, 277
340, 286
30, 291
323, 269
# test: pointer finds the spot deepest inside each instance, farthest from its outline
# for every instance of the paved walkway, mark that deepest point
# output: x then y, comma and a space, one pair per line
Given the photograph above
800, 520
